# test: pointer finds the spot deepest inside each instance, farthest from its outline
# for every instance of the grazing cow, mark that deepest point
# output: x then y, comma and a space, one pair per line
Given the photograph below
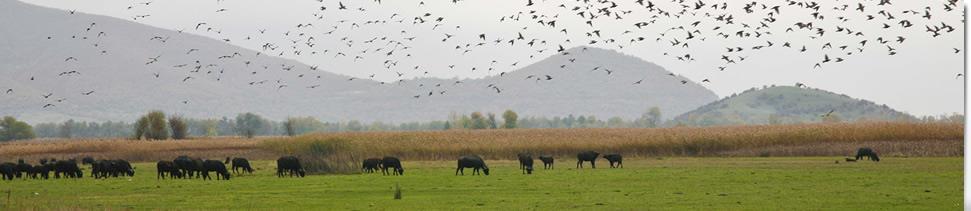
371, 164
120, 168
215, 166
188, 166
392, 163
547, 161
615, 158
99, 168
240, 163
526, 163
69, 168
167, 167
867, 153
471, 161
290, 165
587, 156
8, 170
23, 169
40, 172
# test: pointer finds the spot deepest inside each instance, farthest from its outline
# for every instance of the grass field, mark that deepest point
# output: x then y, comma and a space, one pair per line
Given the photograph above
804, 183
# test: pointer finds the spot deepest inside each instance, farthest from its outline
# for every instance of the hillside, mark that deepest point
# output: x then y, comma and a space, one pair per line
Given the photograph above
787, 104
118, 78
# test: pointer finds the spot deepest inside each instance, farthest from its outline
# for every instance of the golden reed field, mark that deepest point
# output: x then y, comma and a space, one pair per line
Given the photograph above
839, 139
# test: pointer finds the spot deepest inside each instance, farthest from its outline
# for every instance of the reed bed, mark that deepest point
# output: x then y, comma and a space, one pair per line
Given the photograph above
840, 139
889, 138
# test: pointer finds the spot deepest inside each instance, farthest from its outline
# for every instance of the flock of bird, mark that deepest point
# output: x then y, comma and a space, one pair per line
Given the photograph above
834, 34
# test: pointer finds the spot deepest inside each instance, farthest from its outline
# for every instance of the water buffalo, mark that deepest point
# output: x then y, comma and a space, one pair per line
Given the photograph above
41, 171
23, 169
392, 163
240, 163
867, 153
8, 170
214, 166
615, 158
547, 161
371, 164
69, 168
121, 168
526, 163
471, 161
587, 156
289, 164
189, 166
167, 167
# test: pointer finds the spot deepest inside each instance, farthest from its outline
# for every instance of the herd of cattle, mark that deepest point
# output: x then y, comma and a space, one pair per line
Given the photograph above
185, 167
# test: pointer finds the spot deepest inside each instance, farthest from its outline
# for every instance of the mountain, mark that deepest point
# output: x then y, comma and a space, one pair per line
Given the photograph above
787, 104
98, 68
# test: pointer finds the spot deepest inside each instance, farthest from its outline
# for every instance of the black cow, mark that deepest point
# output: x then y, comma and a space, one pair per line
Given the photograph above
240, 163
8, 170
392, 163
867, 153
69, 168
41, 171
471, 161
547, 161
290, 165
189, 166
615, 158
99, 168
23, 169
215, 166
371, 164
587, 156
526, 163
120, 168
167, 167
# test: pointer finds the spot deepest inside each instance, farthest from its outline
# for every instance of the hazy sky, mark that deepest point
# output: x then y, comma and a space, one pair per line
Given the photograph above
920, 79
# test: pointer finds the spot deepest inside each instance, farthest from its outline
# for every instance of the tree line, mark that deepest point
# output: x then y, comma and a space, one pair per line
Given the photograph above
156, 125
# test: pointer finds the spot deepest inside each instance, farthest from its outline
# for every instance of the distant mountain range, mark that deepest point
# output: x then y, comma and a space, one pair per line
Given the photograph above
787, 104
61, 66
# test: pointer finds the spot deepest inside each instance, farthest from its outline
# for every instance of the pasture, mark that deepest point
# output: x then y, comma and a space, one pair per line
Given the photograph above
777, 183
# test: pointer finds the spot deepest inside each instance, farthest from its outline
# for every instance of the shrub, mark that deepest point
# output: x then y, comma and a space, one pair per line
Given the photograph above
12, 129
152, 126
180, 130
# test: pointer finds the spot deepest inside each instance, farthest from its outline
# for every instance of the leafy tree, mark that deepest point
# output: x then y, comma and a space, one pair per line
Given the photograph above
180, 130
655, 116
140, 127
448, 126
492, 121
12, 129
478, 121
248, 124
289, 127
66, 129
510, 119
152, 126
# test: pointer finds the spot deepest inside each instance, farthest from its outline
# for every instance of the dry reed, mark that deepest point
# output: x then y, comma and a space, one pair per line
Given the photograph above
888, 138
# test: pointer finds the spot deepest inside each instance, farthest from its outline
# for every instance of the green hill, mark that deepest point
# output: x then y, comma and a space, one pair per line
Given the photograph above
786, 105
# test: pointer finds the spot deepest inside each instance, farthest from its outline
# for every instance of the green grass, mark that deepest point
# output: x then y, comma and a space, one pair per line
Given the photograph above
670, 183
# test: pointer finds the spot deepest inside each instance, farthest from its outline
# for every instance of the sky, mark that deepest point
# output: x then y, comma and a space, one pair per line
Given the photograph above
920, 79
